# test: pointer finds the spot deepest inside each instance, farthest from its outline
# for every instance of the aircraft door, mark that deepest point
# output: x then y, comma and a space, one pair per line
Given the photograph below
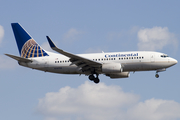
152, 58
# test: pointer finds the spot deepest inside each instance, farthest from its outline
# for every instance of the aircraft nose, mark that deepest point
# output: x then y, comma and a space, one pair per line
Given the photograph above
174, 61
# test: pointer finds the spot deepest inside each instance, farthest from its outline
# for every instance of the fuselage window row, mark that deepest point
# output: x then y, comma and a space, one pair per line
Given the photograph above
125, 58
64, 61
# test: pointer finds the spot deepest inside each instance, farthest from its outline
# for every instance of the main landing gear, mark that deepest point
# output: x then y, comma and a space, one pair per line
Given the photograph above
93, 78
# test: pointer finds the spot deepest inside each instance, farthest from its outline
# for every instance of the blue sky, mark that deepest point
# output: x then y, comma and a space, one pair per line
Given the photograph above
83, 27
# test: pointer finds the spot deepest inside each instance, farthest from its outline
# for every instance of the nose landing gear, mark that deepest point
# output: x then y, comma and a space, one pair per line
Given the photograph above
159, 70
93, 78
157, 75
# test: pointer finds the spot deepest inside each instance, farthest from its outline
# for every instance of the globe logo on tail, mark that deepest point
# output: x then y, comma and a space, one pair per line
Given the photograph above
31, 49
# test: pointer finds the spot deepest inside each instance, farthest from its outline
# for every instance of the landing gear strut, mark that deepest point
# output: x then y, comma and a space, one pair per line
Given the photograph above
93, 78
159, 70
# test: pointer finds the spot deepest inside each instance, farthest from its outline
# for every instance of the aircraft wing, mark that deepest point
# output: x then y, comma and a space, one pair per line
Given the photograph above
20, 59
84, 63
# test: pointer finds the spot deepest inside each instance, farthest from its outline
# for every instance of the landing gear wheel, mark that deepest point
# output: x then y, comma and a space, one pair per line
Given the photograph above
157, 75
91, 77
96, 80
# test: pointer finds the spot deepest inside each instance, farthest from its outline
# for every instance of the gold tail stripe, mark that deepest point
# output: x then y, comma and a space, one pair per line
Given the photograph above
30, 51
26, 54
37, 54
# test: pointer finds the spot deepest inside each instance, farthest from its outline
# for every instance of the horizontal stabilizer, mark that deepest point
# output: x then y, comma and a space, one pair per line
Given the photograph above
20, 59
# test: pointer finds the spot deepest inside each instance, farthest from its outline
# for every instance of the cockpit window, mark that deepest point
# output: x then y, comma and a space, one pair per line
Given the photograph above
164, 56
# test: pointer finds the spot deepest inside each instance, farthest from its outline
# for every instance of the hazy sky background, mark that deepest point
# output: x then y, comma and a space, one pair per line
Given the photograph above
85, 27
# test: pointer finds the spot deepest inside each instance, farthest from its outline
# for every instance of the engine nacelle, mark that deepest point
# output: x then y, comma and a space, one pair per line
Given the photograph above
111, 68
119, 75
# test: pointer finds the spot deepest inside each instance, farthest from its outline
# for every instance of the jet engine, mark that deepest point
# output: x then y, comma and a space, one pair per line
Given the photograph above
111, 68
119, 75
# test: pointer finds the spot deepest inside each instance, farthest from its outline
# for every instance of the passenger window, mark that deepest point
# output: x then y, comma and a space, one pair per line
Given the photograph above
139, 57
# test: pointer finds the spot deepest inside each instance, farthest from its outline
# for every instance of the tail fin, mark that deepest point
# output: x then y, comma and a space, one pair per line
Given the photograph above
28, 48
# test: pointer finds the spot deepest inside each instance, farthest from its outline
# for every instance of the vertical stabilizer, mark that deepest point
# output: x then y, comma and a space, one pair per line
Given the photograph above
27, 46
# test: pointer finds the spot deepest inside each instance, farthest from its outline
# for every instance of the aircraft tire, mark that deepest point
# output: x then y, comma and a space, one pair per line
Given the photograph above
157, 75
96, 80
91, 77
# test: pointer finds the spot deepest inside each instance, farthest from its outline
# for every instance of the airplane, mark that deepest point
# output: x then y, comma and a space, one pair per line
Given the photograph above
111, 64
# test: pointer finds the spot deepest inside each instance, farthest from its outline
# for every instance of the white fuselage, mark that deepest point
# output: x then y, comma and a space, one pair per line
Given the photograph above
130, 61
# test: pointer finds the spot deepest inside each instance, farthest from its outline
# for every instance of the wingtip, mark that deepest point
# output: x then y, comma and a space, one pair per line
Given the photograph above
52, 45
6, 54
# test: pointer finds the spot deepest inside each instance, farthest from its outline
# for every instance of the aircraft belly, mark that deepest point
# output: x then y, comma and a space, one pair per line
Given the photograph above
64, 69
142, 66
159, 65
132, 66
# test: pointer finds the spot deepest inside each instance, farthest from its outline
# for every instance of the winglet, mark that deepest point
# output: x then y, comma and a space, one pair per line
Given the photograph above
51, 42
